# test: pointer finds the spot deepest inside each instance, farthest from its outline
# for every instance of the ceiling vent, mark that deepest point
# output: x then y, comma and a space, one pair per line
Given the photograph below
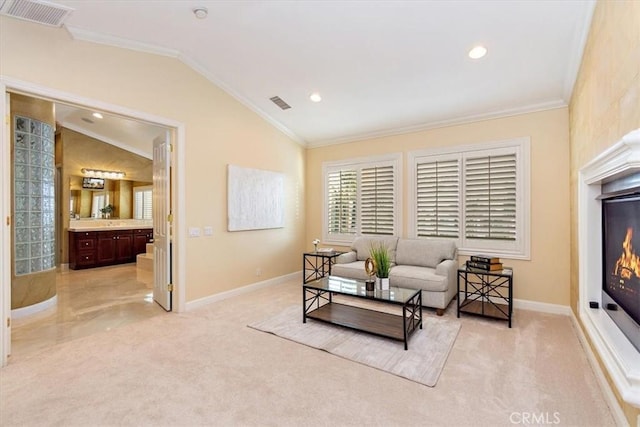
280, 103
38, 11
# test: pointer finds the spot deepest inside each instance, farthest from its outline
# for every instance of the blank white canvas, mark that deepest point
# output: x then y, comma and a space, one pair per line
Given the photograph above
255, 199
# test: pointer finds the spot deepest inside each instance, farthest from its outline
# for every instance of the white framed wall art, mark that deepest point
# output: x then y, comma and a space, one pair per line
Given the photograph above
255, 199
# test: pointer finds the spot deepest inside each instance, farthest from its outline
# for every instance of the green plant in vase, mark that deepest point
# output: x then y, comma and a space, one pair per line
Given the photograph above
382, 262
107, 210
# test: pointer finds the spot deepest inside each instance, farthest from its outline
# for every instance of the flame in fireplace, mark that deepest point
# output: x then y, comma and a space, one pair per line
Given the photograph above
629, 263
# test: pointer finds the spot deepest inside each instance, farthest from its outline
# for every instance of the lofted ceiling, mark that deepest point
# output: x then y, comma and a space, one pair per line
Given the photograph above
381, 67
128, 134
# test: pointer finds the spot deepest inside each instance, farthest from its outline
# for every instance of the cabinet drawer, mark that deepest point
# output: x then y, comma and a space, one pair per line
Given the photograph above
86, 258
84, 234
84, 243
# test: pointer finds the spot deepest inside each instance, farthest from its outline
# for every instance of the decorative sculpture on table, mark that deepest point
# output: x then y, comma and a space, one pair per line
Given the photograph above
370, 269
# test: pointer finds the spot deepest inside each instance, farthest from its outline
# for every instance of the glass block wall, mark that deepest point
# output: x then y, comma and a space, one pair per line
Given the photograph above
34, 202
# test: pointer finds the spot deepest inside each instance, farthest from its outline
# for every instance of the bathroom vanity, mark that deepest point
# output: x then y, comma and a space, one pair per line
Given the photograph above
106, 245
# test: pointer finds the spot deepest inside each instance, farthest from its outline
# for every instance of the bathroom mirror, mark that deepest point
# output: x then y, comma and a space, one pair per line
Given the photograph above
85, 203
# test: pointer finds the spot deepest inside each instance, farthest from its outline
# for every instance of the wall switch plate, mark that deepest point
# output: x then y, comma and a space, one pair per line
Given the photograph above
194, 231
208, 231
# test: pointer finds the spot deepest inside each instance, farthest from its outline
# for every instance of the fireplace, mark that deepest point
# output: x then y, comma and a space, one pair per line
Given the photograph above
607, 178
621, 263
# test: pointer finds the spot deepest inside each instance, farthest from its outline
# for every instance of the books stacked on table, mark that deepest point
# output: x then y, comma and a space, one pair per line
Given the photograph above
484, 262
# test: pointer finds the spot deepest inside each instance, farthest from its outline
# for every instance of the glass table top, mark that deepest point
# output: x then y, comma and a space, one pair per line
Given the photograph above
358, 288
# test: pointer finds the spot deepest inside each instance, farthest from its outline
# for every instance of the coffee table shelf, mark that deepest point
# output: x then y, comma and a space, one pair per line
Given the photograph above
318, 304
362, 319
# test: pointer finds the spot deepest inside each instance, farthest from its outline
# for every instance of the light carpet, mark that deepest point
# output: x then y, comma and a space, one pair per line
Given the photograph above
423, 362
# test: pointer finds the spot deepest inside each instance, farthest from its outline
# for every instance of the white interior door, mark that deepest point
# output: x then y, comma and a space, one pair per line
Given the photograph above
162, 288
5, 228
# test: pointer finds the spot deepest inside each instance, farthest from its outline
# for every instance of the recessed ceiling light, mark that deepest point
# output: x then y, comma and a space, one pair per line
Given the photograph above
315, 97
200, 12
97, 115
477, 52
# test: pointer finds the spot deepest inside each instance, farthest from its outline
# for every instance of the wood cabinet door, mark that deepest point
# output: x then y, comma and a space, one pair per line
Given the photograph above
106, 247
124, 247
139, 243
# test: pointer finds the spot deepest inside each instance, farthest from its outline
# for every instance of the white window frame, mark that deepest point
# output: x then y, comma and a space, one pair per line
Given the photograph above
518, 249
141, 189
394, 159
99, 199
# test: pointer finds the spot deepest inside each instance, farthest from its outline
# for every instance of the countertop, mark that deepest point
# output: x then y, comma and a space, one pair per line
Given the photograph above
108, 224
110, 227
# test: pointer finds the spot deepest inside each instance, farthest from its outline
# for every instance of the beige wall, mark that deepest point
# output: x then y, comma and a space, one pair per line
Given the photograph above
31, 288
605, 106
546, 277
219, 131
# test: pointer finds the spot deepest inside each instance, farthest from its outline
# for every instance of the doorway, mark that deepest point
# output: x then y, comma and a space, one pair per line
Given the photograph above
175, 132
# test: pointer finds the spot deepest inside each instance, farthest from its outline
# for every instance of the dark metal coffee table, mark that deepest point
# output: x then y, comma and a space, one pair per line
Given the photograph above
318, 304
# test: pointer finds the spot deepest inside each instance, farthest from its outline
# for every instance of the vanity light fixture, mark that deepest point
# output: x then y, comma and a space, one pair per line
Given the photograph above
315, 97
97, 173
97, 115
477, 52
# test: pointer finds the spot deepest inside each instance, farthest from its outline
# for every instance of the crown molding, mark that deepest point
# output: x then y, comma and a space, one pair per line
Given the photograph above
579, 42
93, 37
532, 108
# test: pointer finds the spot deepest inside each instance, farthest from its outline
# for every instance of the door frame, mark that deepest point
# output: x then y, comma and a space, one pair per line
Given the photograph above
177, 191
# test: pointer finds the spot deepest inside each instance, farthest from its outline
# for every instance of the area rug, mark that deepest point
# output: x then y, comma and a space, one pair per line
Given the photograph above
423, 362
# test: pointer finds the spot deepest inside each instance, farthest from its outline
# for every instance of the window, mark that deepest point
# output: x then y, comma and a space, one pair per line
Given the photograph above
99, 200
142, 202
478, 195
362, 197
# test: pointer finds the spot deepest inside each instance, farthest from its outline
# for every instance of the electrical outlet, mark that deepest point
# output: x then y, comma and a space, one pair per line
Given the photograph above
258, 271
208, 231
194, 231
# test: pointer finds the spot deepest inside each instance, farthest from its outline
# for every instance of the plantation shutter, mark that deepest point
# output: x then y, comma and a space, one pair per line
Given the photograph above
490, 197
142, 204
438, 201
342, 201
377, 197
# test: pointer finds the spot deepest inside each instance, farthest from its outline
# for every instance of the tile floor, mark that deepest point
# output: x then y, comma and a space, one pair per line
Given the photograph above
89, 301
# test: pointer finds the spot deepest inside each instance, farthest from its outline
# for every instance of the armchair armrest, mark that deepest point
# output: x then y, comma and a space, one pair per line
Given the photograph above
346, 258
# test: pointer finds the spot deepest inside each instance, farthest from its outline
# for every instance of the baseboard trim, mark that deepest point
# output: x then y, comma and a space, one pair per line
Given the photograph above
544, 307
30, 310
610, 398
191, 305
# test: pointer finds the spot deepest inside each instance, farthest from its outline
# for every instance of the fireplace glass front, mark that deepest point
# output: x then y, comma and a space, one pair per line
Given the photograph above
621, 263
